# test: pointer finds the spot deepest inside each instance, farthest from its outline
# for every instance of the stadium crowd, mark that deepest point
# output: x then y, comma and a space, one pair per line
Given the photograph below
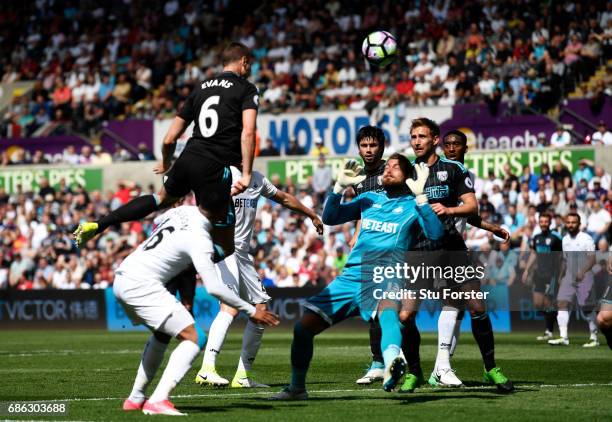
37, 252
95, 61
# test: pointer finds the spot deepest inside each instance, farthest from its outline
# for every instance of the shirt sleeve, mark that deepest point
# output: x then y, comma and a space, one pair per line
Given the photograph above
336, 213
463, 183
188, 110
268, 190
251, 98
201, 254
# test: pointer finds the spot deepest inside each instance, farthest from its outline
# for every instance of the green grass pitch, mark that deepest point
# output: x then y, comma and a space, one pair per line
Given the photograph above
94, 370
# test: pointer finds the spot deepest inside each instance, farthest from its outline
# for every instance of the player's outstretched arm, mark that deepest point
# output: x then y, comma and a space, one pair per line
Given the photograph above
499, 231
247, 145
336, 213
175, 131
430, 223
289, 201
203, 263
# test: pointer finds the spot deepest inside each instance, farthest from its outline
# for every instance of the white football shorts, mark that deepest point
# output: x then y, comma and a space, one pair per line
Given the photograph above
152, 305
238, 273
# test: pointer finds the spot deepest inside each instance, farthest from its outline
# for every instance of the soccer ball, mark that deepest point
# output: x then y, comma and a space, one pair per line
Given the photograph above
379, 48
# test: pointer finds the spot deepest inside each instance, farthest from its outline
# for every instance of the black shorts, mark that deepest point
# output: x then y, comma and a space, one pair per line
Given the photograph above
184, 283
210, 181
545, 285
607, 296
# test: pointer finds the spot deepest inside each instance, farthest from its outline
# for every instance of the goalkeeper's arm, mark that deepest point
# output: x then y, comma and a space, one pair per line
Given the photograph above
336, 213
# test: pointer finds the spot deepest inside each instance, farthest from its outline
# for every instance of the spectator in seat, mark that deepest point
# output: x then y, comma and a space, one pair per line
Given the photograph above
270, 150
560, 138
602, 136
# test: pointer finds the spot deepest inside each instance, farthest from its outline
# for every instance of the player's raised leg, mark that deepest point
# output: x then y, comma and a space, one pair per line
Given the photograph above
391, 340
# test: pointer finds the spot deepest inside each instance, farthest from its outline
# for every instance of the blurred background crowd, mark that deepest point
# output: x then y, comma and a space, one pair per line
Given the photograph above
133, 59
95, 61
37, 251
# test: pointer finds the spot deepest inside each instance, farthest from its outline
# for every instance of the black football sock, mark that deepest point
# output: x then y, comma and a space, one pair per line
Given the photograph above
551, 317
411, 343
483, 334
375, 339
607, 332
136, 209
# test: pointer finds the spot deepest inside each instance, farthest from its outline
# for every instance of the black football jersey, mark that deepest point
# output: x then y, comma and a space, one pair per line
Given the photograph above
372, 182
543, 244
448, 180
215, 106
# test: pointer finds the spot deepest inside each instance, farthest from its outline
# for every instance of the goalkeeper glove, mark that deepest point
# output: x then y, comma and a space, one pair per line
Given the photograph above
418, 186
350, 175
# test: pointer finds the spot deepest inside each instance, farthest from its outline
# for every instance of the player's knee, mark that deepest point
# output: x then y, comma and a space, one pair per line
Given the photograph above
477, 307
604, 320
310, 324
189, 334
229, 310
407, 316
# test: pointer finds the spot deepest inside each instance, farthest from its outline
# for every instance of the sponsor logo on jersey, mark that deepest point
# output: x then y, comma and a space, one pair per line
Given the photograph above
437, 192
398, 210
216, 82
378, 226
245, 202
442, 175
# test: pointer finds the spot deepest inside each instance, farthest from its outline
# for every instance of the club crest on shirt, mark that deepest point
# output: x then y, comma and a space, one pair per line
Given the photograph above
442, 176
548, 241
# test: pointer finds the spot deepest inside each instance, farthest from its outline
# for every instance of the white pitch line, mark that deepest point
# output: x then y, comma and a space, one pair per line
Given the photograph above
357, 390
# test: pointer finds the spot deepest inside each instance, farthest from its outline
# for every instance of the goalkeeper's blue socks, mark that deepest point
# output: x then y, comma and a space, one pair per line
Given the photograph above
391, 335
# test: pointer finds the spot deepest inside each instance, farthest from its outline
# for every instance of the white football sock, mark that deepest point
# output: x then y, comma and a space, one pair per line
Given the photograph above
446, 327
251, 340
456, 334
152, 357
563, 321
216, 337
179, 363
591, 319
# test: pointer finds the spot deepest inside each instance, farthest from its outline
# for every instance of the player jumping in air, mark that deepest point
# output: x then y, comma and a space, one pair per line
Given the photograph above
224, 112
181, 239
389, 222
576, 280
544, 264
238, 272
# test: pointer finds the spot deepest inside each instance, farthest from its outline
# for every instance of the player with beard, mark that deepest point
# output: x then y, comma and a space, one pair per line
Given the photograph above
390, 221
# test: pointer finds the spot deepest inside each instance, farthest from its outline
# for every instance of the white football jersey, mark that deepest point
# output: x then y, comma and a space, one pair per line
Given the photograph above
460, 222
182, 236
574, 248
245, 206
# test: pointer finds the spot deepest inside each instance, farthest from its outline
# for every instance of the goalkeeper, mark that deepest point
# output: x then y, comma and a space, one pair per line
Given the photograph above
390, 220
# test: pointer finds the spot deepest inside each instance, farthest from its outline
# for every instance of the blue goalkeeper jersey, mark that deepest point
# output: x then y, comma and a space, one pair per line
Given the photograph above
389, 225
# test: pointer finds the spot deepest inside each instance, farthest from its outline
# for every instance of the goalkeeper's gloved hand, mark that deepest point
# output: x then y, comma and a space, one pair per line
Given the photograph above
418, 186
351, 174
